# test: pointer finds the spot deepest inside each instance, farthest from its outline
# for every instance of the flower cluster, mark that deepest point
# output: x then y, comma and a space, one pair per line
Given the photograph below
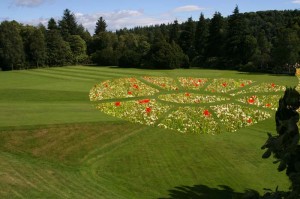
120, 88
145, 111
192, 83
234, 116
263, 87
191, 119
191, 98
191, 115
166, 83
223, 85
266, 101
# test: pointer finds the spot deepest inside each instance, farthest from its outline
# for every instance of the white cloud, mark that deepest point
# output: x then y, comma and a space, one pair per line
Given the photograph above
114, 19
28, 3
296, 1
119, 19
188, 8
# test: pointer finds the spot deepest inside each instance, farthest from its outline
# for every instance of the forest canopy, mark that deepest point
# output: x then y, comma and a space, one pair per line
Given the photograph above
263, 41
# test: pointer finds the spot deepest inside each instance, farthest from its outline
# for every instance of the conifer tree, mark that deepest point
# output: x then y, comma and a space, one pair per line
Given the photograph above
68, 24
174, 32
100, 26
201, 35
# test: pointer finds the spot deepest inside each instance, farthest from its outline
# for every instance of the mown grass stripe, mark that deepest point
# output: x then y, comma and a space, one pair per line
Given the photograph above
66, 74
55, 76
76, 73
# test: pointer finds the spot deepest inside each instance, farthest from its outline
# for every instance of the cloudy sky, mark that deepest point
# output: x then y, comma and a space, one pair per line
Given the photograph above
130, 13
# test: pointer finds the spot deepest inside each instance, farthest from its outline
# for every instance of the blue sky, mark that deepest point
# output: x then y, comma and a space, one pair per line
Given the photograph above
130, 13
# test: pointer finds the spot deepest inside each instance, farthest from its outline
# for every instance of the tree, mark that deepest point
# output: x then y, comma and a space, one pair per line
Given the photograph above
78, 47
130, 59
216, 36
174, 32
105, 57
263, 56
52, 25
201, 35
11, 46
37, 48
285, 145
215, 44
163, 55
58, 51
235, 38
100, 26
187, 37
103, 40
286, 49
68, 24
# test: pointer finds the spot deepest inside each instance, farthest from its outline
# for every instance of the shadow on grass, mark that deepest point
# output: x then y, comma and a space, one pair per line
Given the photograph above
205, 192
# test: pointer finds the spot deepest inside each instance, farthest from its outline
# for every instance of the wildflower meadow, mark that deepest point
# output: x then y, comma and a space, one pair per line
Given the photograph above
188, 104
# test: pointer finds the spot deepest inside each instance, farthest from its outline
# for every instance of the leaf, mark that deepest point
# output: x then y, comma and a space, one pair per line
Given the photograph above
282, 166
267, 154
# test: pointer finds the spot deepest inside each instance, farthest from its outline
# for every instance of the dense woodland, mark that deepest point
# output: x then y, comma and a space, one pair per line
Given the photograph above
264, 41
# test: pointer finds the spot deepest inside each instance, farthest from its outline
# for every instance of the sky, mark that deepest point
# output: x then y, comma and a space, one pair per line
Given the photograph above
130, 13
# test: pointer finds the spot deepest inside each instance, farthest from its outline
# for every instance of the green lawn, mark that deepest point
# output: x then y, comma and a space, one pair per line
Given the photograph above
55, 144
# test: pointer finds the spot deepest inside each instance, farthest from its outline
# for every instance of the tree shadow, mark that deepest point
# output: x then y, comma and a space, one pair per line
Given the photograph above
205, 192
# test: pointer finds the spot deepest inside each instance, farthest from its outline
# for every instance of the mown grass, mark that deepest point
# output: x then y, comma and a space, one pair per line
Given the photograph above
54, 144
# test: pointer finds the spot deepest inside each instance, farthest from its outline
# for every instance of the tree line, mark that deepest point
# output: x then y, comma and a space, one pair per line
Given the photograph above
266, 41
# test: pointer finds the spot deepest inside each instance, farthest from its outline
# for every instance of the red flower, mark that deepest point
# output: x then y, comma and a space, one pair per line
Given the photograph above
206, 113
144, 101
187, 94
273, 85
148, 110
199, 80
268, 105
242, 84
118, 103
135, 86
251, 100
163, 85
224, 84
129, 93
249, 120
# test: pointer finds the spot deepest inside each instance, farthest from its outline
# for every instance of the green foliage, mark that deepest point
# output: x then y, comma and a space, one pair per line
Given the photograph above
78, 47
100, 26
163, 55
68, 25
105, 57
264, 41
59, 52
285, 145
12, 54
52, 25
37, 48
286, 48
201, 36
130, 59
187, 38
174, 32
216, 36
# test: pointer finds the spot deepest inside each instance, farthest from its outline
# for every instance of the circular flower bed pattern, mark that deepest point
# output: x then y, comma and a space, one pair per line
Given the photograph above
188, 104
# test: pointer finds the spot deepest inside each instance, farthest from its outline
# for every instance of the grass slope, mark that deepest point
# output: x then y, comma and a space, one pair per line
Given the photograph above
54, 144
